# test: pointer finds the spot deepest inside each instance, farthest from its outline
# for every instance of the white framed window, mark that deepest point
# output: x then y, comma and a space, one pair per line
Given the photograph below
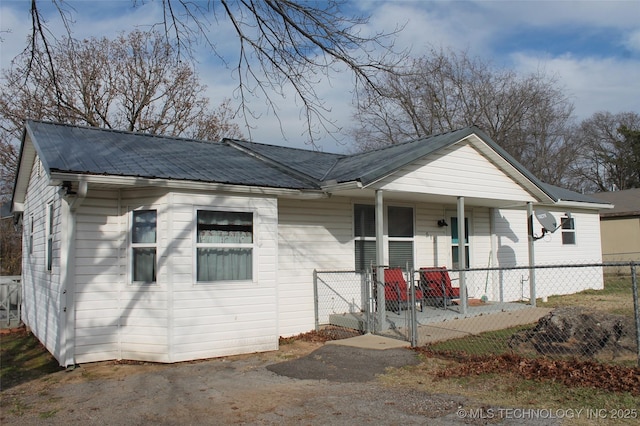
225, 245
401, 234
400, 231
49, 231
568, 230
364, 226
144, 238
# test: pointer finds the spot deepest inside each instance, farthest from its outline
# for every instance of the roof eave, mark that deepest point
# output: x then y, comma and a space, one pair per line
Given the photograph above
131, 181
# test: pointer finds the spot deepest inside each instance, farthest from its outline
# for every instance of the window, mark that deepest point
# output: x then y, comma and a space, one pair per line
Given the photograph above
364, 225
400, 229
31, 232
224, 246
455, 243
568, 230
143, 246
49, 257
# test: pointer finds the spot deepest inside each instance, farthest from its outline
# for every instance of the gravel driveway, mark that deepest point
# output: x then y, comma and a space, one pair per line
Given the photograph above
305, 383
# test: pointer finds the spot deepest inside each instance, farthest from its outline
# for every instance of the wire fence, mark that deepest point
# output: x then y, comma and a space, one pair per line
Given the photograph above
577, 310
10, 301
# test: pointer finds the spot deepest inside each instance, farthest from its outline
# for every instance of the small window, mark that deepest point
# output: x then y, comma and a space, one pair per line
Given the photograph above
143, 246
49, 257
568, 230
400, 236
31, 229
224, 246
364, 226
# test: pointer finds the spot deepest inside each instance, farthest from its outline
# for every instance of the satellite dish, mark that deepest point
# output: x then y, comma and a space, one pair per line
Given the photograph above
547, 220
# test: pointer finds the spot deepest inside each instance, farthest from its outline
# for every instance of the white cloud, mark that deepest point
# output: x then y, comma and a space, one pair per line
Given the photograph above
593, 84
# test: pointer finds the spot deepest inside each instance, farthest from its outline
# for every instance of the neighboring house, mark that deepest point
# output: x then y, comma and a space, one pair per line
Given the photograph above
164, 249
620, 226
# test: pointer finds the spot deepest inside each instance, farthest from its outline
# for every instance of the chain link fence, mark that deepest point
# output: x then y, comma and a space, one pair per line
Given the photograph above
578, 310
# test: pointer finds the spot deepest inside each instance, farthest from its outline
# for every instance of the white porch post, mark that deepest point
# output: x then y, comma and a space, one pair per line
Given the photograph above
462, 259
532, 258
380, 261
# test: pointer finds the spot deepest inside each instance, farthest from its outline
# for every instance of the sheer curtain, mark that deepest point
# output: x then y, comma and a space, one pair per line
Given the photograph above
143, 240
225, 246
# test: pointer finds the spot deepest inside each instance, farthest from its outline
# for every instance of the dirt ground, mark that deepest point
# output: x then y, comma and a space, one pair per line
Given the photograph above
307, 383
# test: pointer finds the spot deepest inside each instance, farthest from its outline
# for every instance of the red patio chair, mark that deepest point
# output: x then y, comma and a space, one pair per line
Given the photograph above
396, 291
436, 287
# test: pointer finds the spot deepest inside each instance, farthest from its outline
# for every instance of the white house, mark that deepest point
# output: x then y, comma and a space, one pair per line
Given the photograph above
163, 249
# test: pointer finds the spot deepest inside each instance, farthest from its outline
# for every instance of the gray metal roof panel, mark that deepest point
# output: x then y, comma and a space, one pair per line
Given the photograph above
85, 150
373, 165
314, 164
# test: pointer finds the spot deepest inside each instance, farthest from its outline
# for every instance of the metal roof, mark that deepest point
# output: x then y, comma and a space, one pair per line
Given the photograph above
86, 150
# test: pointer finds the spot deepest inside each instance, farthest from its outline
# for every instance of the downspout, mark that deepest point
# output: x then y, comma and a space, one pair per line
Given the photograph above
70, 276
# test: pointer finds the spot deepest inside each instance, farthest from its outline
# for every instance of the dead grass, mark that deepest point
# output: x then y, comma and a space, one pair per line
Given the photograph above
557, 385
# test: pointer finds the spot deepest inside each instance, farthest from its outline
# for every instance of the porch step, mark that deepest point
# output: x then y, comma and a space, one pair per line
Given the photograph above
348, 320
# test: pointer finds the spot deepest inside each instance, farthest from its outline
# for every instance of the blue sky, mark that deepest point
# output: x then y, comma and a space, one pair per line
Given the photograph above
592, 47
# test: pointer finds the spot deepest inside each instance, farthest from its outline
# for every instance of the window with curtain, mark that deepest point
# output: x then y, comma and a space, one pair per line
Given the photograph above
401, 235
143, 246
455, 243
224, 246
49, 257
364, 225
568, 230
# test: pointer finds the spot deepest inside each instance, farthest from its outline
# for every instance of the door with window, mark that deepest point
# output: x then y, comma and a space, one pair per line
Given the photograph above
459, 245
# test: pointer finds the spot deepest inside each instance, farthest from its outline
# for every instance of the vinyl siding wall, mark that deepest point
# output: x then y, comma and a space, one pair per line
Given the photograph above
43, 303
459, 169
512, 250
174, 319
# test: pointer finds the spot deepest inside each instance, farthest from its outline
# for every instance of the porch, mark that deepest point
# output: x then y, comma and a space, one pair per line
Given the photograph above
437, 324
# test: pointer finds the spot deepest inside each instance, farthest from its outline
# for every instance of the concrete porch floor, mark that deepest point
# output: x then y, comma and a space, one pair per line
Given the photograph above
438, 324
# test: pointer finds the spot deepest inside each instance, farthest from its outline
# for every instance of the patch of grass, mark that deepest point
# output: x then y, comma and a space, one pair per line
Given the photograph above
616, 297
48, 414
491, 342
23, 358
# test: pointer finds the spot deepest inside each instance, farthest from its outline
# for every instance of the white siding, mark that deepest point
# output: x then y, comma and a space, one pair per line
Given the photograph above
174, 319
314, 234
217, 319
459, 170
512, 250
42, 290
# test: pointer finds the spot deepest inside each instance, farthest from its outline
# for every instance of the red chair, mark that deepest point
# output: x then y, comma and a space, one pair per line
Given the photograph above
396, 291
436, 287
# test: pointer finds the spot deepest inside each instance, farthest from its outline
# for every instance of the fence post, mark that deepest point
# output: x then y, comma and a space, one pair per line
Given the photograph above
636, 308
315, 299
414, 315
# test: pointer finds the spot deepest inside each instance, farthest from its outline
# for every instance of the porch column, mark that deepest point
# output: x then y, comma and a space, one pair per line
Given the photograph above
380, 261
462, 258
532, 257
